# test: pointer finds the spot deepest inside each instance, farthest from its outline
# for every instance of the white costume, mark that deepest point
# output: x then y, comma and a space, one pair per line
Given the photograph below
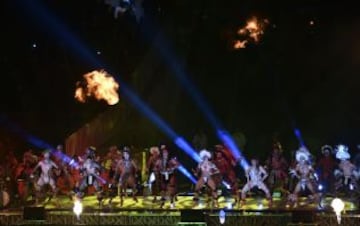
46, 177
255, 175
346, 173
304, 172
205, 170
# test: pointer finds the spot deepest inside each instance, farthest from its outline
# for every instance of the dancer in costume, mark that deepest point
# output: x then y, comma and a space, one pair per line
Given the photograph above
126, 170
277, 166
305, 174
255, 176
168, 179
205, 171
46, 165
153, 169
325, 167
90, 174
226, 163
346, 174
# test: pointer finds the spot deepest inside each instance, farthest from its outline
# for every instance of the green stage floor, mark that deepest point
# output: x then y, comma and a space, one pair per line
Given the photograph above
186, 202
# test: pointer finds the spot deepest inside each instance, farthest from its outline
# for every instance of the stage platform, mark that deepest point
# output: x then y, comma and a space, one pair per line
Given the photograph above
255, 212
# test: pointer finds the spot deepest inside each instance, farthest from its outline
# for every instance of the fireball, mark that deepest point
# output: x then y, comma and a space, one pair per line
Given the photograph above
99, 85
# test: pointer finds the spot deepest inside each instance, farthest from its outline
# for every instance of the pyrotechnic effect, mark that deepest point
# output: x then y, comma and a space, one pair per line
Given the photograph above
100, 85
251, 32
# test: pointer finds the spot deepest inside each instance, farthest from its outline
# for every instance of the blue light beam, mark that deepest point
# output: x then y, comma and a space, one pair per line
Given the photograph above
299, 137
53, 26
165, 51
186, 173
60, 31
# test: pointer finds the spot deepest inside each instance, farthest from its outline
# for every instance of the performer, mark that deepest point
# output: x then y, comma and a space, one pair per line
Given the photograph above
126, 169
168, 179
89, 172
225, 162
10, 165
326, 166
23, 172
255, 176
46, 176
277, 166
153, 169
205, 171
346, 175
304, 172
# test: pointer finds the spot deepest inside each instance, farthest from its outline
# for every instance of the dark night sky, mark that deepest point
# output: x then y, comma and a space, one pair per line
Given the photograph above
298, 75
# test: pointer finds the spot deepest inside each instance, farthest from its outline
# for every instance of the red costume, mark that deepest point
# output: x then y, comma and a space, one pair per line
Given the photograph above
225, 162
277, 166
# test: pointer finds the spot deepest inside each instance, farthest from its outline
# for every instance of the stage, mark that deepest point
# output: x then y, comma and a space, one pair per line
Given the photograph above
59, 211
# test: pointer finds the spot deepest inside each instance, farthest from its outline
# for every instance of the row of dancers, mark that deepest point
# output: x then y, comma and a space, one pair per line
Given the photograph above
117, 171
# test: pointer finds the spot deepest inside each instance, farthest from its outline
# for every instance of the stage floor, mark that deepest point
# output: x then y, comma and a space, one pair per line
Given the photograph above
256, 212
90, 203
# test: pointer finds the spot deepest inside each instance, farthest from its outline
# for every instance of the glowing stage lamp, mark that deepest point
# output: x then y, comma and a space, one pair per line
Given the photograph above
222, 217
338, 205
78, 208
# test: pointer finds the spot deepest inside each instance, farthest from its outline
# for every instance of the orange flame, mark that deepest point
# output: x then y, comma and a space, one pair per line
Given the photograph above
98, 84
252, 31
240, 44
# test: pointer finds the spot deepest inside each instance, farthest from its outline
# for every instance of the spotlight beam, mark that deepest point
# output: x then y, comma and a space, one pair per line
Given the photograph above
166, 53
43, 17
60, 31
299, 137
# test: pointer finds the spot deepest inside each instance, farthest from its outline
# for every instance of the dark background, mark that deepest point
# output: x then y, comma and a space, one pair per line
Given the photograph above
299, 75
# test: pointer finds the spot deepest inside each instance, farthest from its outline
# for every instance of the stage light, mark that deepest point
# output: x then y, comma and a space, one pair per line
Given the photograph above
40, 13
222, 217
260, 206
201, 205
351, 187
320, 187
34, 45
227, 185
78, 208
185, 146
299, 137
186, 173
338, 205
229, 205
226, 138
98, 52
165, 50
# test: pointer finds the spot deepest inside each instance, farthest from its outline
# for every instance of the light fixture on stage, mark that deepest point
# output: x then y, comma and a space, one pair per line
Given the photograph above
260, 206
222, 217
351, 187
320, 187
338, 205
229, 205
78, 208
